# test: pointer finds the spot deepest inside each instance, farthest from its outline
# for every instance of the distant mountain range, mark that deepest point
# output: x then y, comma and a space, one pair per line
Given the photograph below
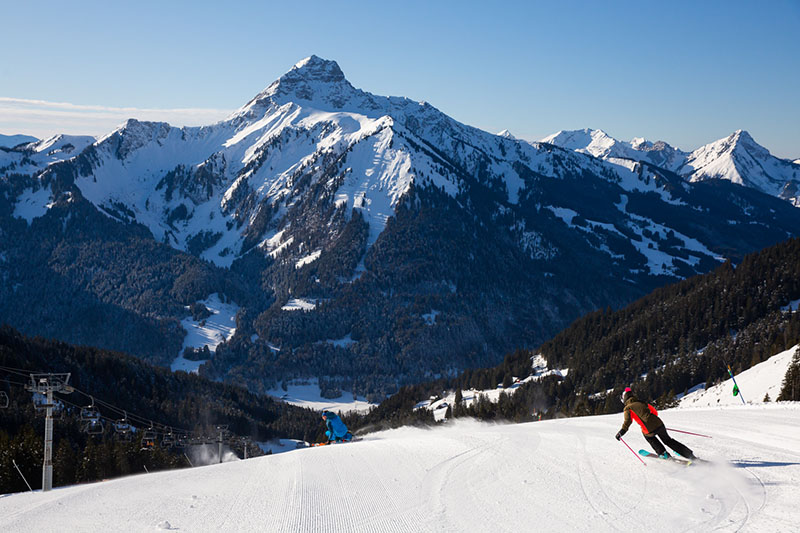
736, 158
10, 141
366, 240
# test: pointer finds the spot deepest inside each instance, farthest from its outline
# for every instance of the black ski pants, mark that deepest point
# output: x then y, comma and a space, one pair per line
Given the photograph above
661, 433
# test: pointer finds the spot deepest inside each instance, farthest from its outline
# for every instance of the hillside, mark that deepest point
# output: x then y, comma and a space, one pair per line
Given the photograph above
760, 383
562, 475
663, 345
124, 388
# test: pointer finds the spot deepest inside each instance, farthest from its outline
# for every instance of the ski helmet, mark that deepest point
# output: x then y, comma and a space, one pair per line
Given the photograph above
626, 394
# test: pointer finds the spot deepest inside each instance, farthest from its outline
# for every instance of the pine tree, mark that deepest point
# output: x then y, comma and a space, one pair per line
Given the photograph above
87, 469
791, 383
64, 464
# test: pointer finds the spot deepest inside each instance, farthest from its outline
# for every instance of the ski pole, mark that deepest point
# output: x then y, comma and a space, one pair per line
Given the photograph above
23, 477
689, 433
736, 389
633, 452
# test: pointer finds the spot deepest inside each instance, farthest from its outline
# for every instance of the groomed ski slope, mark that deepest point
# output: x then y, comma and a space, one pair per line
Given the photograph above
560, 475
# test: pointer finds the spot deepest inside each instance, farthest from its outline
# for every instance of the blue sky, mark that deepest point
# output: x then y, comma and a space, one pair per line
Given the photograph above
687, 72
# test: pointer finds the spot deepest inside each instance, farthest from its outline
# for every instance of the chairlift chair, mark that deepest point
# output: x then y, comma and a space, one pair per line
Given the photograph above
89, 414
122, 428
149, 439
90, 417
4, 401
168, 441
93, 427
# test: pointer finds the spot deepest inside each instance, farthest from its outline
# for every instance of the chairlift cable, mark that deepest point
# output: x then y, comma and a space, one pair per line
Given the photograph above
19, 372
131, 416
145, 425
138, 420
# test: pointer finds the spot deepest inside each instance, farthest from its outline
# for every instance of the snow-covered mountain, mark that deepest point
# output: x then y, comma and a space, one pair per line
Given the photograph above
10, 141
736, 158
375, 219
312, 127
566, 475
743, 161
364, 150
35, 155
599, 144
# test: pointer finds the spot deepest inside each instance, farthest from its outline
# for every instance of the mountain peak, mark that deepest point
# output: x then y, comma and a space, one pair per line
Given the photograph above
314, 68
311, 79
743, 135
742, 140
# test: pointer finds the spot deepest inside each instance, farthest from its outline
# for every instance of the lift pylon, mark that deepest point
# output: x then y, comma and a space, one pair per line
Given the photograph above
47, 384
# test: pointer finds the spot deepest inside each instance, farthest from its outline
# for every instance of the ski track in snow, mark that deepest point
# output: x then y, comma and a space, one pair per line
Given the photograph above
560, 475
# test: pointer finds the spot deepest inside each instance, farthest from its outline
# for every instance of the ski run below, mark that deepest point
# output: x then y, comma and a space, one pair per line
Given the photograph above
558, 475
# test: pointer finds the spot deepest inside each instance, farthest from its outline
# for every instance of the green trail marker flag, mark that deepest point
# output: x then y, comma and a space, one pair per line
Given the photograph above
736, 391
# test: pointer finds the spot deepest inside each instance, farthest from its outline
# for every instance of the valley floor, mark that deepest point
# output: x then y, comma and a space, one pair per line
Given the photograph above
561, 475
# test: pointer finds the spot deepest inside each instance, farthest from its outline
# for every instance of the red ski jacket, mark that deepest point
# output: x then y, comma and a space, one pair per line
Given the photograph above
643, 414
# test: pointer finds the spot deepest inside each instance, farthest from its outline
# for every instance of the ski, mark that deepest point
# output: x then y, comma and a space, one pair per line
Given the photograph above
326, 443
675, 458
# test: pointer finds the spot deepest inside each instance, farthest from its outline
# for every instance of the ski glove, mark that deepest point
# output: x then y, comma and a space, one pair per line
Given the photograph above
619, 434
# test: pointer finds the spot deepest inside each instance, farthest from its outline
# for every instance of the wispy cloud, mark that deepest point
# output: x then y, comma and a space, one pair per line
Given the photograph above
43, 118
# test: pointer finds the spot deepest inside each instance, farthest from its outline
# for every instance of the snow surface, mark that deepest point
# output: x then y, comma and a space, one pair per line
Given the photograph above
739, 159
430, 318
736, 158
539, 370
32, 204
220, 326
755, 382
560, 475
10, 141
307, 394
36, 155
658, 262
344, 342
299, 304
308, 259
281, 445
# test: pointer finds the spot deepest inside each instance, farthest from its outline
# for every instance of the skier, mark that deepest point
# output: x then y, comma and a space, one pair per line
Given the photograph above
652, 427
336, 429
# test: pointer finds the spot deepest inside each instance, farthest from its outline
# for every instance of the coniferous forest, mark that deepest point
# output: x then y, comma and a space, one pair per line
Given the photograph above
177, 406
663, 344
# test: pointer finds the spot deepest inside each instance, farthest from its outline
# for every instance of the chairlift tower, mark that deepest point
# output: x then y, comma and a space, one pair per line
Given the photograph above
47, 384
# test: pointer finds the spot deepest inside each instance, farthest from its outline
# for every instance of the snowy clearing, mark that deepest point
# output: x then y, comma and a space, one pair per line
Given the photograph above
561, 475
299, 304
220, 326
307, 394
